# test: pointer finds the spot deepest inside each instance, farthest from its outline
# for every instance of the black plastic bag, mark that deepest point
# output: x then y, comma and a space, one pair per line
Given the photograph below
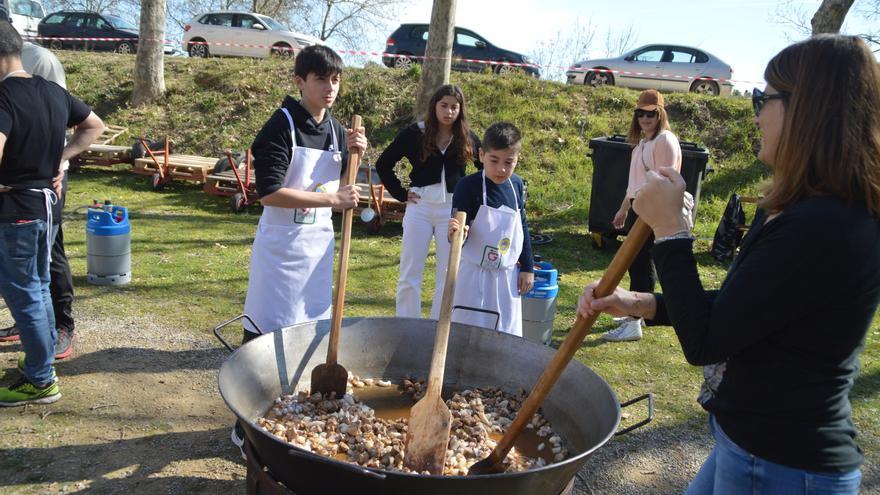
728, 234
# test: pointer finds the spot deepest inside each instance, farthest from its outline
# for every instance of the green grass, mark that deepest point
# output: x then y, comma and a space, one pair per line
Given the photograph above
191, 255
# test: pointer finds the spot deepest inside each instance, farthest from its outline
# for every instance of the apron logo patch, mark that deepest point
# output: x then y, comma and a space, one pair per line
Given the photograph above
491, 258
504, 245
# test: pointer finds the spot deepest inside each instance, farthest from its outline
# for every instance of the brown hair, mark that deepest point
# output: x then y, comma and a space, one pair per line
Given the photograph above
635, 130
830, 141
461, 147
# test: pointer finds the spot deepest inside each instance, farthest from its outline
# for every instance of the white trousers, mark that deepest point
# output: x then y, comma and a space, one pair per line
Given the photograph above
421, 222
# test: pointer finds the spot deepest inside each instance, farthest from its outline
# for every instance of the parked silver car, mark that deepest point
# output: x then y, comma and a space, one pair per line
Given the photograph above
661, 67
241, 34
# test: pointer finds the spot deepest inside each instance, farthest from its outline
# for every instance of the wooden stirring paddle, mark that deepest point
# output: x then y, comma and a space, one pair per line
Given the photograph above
582, 326
332, 376
430, 421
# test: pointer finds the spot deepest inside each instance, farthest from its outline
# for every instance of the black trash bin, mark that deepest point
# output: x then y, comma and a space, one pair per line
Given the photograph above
611, 157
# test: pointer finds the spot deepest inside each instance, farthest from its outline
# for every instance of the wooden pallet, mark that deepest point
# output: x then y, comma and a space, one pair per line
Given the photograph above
104, 155
111, 134
225, 183
181, 167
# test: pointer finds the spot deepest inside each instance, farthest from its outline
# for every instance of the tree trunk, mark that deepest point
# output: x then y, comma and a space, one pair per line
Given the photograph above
149, 75
435, 70
829, 17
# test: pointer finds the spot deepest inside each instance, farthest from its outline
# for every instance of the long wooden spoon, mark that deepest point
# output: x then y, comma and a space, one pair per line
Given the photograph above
582, 326
430, 421
332, 376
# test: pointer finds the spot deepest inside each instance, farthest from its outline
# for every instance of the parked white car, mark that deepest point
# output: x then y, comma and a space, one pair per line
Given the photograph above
24, 15
661, 67
241, 34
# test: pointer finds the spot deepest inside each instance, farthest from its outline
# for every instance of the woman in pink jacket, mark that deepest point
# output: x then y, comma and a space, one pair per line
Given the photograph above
655, 146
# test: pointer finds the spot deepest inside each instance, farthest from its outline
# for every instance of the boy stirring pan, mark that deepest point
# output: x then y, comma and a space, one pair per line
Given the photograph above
498, 236
298, 158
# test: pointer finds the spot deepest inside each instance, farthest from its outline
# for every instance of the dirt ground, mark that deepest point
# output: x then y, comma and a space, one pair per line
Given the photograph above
141, 414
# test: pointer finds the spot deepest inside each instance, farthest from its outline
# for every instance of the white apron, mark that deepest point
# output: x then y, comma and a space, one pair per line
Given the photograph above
291, 277
488, 276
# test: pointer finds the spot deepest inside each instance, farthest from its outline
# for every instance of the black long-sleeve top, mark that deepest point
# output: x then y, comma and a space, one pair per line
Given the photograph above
424, 172
468, 197
787, 324
271, 147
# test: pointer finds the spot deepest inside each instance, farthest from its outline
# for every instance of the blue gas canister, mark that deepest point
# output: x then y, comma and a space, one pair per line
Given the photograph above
539, 304
108, 245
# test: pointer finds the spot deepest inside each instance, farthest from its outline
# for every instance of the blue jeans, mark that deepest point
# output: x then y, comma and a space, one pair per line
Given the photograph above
730, 470
24, 284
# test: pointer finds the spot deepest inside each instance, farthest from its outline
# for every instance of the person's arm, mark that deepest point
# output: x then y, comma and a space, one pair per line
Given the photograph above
466, 198
84, 135
768, 288
526, 261
388, 159
667, 152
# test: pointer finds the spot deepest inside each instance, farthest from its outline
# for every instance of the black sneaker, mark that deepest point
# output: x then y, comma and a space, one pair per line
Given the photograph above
64, 344
237, 437
9, 334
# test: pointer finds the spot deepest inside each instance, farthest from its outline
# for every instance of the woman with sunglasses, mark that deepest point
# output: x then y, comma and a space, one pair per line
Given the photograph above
780, 340
655, 146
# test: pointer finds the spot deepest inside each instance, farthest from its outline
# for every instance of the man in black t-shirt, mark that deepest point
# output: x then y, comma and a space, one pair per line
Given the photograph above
34, 115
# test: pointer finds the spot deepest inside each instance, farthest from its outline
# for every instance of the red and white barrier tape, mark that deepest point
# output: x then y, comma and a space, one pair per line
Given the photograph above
421, 57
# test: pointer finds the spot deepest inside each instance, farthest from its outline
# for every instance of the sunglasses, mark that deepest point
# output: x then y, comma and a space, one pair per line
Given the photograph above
646, 113
760, 98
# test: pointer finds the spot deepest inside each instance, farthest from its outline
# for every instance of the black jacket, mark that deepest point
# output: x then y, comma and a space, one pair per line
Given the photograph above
271, 148
783, 334
424, 173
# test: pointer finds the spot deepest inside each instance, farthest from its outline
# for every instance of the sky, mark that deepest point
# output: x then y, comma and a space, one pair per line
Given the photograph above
743, 33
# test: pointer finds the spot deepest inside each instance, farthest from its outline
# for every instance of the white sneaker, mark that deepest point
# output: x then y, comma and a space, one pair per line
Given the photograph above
628, 331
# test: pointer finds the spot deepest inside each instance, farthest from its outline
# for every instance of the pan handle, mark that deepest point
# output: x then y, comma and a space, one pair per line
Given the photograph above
341, 464
218, 327
643, 422
480, 310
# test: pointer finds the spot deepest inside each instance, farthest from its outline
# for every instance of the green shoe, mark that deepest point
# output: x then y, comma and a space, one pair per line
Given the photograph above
21, 367
24, 392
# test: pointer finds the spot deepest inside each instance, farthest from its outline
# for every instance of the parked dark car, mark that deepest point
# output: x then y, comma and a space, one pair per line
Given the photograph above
70, 24
409, 42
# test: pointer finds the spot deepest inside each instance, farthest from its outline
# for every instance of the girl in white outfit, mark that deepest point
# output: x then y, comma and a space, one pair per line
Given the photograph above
438, 149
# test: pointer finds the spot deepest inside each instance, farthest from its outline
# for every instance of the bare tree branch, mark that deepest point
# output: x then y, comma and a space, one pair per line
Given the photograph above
570, 43
617, 42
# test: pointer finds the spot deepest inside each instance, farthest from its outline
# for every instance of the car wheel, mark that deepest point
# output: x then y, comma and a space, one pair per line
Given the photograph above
282, 51
599, 79
56, 44
125, 48
403, 62
198, 48
705, 87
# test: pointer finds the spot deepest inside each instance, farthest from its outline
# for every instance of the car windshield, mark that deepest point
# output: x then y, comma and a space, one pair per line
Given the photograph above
120, 23
271, 23
27, 8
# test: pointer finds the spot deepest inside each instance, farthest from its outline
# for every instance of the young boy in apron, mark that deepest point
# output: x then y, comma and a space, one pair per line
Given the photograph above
496, 258
298, 157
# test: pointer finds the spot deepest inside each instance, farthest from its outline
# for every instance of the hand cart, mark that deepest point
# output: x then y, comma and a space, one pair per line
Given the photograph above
239, 185
172, 167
